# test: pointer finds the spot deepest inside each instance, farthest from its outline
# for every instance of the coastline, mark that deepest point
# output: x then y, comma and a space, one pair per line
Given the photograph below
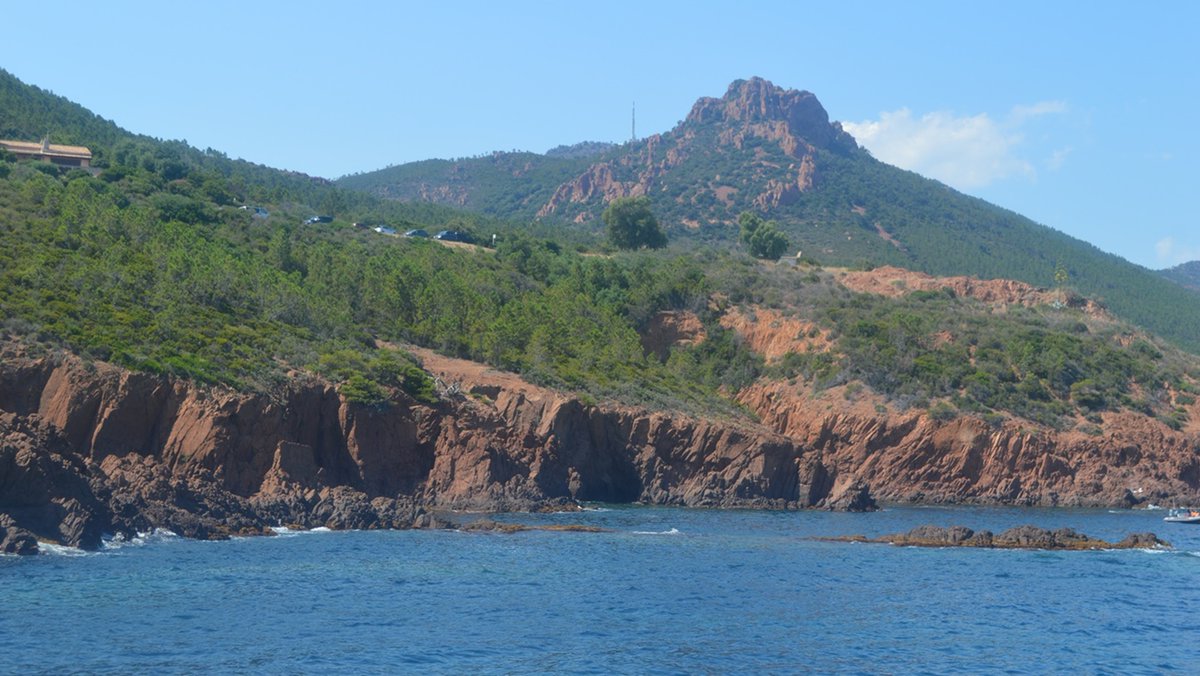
90, 449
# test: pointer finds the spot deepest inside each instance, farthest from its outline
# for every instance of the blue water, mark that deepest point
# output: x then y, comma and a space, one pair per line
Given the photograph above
667, 591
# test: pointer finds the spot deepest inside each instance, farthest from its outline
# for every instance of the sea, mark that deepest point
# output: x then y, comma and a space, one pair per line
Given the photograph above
660, 591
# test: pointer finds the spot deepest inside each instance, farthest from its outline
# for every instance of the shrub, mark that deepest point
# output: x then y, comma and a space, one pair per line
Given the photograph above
943, 412
359, 389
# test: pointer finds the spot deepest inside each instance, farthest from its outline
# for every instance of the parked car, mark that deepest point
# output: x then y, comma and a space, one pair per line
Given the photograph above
416, 233
454, 236
319, 219
256, 212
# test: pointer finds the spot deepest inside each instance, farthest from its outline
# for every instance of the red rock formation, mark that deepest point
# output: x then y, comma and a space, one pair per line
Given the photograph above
90, 447
773, 334
595, 184
781, 193
599, 185
893, 282
795, 118
671, 329
910, 457
751, 110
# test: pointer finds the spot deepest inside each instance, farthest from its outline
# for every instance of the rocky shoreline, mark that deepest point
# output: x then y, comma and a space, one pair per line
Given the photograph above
88, 449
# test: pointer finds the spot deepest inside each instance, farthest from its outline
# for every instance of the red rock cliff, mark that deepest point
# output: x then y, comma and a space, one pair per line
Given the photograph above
152, 452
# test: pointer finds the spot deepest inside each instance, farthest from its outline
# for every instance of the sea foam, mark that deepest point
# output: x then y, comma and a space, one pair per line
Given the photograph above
51, 549
284, 531
142, 539
673, 531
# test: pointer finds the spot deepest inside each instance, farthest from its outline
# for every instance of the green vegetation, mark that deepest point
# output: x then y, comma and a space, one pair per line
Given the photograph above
153, 264
156, 276
763, 237
512, 185
168, 280
1185, 274
632, 225
1045, 364
858, 211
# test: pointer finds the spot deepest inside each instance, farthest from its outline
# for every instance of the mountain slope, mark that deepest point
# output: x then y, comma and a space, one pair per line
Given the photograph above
1185, 274
502, 184
774, 151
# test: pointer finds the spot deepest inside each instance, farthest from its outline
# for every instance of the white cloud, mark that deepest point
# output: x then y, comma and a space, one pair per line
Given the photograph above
965, 151
1056, 159
1171, 253
1021, 113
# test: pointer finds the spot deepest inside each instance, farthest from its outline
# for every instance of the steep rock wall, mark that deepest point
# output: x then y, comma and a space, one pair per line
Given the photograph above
159, 452
910, 457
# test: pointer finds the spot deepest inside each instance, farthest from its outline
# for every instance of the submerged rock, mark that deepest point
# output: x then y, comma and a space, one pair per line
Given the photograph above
492, 526
1019, 537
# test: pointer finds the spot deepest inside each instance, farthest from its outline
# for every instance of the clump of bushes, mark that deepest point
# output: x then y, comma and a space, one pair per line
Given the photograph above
366, 377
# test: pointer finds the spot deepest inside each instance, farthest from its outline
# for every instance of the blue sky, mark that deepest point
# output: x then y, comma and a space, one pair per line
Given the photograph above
1080, 115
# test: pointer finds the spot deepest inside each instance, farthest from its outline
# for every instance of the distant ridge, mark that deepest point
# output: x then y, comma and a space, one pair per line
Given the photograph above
1185, 274
582, 149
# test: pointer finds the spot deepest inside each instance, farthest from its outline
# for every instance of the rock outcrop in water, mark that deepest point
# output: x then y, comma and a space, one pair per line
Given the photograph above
88, 449
1020, 537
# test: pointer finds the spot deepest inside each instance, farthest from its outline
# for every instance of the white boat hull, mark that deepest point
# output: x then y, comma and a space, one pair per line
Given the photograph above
1183, 516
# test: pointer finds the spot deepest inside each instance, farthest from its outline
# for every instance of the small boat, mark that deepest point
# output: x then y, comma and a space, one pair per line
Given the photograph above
1186, 515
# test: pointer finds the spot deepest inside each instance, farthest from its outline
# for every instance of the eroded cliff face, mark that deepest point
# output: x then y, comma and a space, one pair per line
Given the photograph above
90, 448
907, 456
910, 457
1000, 293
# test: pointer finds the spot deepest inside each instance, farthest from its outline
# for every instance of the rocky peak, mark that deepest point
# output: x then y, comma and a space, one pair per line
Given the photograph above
756, 102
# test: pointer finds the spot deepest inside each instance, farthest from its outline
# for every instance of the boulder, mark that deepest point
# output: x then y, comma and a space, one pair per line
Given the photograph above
15, 540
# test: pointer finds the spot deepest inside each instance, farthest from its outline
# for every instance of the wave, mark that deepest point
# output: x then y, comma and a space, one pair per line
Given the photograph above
142, 539
284, 531
673, 531
1160, 550
51, 549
